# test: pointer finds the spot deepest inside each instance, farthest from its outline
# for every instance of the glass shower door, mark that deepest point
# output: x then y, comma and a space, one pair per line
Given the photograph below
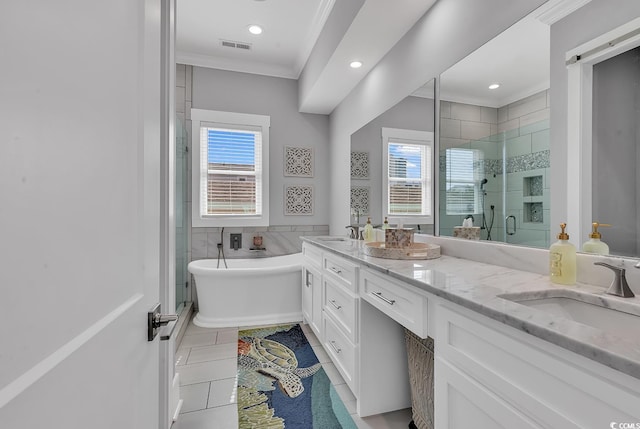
181, 201
526, 166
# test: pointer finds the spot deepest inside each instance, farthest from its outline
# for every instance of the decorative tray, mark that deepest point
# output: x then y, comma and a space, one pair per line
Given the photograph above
377, 249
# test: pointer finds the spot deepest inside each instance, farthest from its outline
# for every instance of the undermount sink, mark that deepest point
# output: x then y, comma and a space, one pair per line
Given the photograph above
329, 238
597, 311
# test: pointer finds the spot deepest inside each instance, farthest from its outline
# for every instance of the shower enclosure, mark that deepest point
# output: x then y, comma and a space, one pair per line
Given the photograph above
496, 170
181, 215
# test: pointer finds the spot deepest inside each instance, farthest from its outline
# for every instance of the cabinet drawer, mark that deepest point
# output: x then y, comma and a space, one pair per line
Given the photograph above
341, 351
396, 301
312, 254
540, 380
341, 269
342, 306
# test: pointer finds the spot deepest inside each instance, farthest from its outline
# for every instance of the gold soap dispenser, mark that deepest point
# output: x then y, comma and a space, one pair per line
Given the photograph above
368, 234
562, 259
595, 243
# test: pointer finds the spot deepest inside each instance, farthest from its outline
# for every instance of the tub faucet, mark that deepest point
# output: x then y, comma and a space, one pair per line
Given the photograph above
221, 250
619, 286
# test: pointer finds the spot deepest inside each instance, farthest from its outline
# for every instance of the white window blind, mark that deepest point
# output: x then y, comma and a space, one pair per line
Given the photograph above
408, 179
408, 169
230, 170
463, 181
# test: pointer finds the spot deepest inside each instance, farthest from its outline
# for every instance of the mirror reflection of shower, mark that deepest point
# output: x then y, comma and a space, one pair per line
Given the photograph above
494, 139
486, 226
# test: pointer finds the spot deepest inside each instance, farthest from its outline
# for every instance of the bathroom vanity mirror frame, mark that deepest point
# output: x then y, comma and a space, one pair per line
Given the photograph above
580, 63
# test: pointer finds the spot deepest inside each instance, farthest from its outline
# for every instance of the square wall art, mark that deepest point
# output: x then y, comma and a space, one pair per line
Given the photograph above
360, 199
359, 165
298, 161
298, 200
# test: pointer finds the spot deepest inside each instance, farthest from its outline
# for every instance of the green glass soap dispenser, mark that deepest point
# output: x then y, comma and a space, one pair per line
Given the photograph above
595, 243
562, 259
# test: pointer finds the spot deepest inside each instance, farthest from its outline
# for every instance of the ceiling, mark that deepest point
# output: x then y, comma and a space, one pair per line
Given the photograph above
291, 30
517, 59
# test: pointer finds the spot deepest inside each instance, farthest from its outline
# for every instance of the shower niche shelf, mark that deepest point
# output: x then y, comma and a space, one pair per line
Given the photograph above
533, 212
533, 186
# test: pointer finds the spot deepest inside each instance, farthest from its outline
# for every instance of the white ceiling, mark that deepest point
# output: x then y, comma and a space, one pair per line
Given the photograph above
291, 29
517, 59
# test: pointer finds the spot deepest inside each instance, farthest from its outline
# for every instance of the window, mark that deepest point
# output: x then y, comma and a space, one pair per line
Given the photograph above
462, 181
230, 169
407, 184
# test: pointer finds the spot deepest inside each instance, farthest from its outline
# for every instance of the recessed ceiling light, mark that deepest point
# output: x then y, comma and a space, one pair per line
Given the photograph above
355, 64
494, 86
255, 29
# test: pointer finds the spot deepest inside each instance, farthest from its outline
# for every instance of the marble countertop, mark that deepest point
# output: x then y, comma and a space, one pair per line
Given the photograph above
478, 286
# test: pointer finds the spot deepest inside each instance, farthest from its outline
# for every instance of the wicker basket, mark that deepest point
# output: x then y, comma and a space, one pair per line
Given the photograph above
420, 356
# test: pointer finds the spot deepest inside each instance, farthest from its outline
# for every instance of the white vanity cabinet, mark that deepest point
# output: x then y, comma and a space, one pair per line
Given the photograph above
340, 315
312, 288
488, 375
497, 376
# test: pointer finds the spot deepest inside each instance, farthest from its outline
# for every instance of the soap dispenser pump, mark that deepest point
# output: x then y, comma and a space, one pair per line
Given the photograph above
368, 231
595, 243
562, 259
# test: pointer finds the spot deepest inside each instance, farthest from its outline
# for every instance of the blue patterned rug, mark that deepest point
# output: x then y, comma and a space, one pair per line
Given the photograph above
282, 385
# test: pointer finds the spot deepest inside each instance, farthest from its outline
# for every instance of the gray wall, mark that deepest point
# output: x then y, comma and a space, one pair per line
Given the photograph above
277, 97
616, 138
413, 113
448, 32
588, 22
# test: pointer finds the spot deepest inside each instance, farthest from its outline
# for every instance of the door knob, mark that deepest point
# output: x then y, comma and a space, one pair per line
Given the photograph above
155, 320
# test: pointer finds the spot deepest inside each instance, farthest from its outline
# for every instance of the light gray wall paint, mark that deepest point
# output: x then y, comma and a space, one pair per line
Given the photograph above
412, 113
616, 97
277, 97
588, 22
448, 32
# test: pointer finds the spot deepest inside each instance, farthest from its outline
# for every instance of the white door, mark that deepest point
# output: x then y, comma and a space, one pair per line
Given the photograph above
80, 213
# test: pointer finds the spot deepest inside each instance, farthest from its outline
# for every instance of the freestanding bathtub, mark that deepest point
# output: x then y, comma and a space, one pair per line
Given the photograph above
257, 291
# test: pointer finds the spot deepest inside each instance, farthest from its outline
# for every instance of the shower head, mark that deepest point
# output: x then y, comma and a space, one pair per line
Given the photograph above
482, 183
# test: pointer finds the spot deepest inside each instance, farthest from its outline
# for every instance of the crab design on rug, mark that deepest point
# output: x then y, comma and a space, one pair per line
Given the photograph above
275, 360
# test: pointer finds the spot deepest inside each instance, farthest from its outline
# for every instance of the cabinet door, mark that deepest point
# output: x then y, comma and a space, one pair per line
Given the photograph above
462, 403
312, 298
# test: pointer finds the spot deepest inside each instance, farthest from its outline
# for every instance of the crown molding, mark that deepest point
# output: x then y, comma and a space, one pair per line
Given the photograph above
555, 10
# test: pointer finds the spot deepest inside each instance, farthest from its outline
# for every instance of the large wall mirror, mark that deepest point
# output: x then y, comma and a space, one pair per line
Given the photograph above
604, 136
494, 139
406, 131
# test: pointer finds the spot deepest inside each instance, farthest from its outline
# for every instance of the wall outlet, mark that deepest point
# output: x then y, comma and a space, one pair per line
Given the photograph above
235, 241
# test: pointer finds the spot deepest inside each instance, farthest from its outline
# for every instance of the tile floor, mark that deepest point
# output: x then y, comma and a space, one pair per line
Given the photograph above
206, 362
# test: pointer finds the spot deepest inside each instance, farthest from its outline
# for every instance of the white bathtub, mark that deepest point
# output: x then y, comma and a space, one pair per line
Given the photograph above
250, 292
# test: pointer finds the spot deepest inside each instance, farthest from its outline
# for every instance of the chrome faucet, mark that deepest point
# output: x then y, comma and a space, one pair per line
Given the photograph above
354, 231
619, 286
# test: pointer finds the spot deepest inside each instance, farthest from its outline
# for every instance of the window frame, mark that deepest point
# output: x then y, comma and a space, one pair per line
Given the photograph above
423, 138
242, 121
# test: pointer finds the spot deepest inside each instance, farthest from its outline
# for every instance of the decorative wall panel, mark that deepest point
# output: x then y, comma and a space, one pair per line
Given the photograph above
359, 165
360, 199
298, 161
298, 200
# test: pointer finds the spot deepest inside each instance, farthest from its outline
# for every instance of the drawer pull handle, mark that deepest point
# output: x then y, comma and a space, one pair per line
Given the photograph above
387, 300
333, 345
335, 270
333, 302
